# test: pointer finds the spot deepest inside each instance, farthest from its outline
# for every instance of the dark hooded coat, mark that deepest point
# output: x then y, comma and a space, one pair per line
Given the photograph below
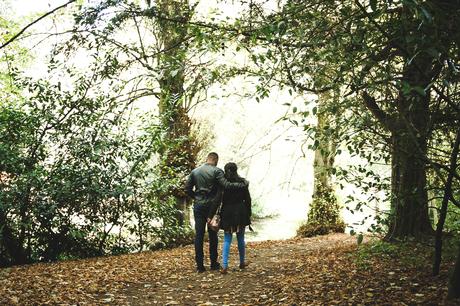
236, 208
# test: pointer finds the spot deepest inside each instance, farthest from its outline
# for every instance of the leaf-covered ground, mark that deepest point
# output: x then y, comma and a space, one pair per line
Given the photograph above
328, 270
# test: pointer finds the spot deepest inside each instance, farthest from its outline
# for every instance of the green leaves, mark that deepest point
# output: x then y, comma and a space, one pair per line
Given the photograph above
426, 14
373, 4
76, 169
408, 90
359, 238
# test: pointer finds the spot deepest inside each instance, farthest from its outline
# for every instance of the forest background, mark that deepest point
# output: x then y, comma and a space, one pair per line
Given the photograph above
346, 110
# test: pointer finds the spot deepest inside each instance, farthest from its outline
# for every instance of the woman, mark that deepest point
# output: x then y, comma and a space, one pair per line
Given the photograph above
235, 216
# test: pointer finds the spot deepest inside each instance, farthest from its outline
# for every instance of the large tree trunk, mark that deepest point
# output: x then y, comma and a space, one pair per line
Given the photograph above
177, 155
409, 195
409, 137
409, 202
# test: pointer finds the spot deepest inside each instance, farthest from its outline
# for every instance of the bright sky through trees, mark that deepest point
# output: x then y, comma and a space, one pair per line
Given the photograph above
26, 7
271, 152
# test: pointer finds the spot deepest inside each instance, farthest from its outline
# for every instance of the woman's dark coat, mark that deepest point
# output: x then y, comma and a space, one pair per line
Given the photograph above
236, 207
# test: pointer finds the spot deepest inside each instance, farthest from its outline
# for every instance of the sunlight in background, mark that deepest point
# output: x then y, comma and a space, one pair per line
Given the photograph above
267, 152
27, 7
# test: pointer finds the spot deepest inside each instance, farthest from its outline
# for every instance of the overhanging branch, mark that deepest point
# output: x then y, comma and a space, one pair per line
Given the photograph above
381, 116
9, 41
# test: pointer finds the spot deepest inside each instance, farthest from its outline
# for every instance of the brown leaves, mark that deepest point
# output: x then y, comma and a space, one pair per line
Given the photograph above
313, 271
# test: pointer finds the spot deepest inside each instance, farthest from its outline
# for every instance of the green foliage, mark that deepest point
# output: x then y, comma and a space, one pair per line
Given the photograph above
410, 253
384, 58
325, 208
165, 57
317, 229
76, 181
375, 249
324, 214
76, 178
452, 223
96, 178
174, 236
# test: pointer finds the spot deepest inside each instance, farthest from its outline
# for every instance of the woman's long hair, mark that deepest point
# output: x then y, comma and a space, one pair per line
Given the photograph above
231, 172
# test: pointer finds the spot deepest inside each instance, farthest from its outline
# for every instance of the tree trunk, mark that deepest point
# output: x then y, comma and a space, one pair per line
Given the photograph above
15, 252
409, 195
409, 136
177, 154
326, 150
324, 212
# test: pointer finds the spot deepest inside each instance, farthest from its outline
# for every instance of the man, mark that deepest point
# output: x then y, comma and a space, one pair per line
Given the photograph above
204, 185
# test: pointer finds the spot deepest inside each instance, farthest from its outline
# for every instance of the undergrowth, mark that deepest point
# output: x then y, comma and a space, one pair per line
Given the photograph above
410, 254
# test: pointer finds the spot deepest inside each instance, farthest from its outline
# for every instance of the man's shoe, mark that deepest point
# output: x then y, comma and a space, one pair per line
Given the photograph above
244, 264
215, 267
200, 269
223, 271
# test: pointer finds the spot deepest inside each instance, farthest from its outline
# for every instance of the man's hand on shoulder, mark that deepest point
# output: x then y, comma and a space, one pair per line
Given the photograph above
223, 182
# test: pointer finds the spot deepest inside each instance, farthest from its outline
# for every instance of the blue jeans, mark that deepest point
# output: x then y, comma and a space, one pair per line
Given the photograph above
200, 214
226, 248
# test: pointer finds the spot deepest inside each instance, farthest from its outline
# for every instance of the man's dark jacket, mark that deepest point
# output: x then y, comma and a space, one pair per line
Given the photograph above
205, 184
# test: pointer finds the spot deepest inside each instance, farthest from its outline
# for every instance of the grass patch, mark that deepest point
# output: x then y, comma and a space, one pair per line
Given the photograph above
410, 254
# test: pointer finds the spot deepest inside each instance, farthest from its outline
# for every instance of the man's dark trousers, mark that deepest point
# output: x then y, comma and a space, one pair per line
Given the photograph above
200, 213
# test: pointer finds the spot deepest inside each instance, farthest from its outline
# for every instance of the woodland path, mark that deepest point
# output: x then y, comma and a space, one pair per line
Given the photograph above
252, 286
301, 271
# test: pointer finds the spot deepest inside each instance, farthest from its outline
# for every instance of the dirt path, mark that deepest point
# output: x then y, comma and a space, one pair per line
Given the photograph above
253, 286
326, 270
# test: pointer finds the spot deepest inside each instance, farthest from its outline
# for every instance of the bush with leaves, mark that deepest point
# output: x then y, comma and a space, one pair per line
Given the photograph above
324, 215
76, 175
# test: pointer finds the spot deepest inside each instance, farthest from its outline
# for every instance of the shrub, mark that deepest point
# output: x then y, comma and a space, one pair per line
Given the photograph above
324, 215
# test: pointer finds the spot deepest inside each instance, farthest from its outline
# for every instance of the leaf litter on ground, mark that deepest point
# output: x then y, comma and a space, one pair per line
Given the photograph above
324, 270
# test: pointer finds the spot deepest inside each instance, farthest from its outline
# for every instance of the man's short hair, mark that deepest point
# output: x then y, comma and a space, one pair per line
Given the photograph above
213, 156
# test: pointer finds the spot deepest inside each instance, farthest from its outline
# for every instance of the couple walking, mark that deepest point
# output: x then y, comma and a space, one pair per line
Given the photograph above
210, 187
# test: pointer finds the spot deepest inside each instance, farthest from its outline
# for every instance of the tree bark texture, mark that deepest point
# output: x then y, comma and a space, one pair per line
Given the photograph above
177, 154
409, 127
326, 150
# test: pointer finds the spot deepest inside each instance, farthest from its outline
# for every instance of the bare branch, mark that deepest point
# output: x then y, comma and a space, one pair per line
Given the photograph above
9, 41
